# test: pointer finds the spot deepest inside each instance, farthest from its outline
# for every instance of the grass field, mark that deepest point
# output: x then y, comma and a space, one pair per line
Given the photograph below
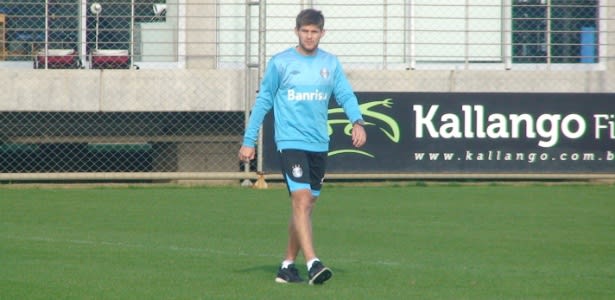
388, 242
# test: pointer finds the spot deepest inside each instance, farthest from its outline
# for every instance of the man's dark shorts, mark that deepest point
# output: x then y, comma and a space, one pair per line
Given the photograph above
303, 169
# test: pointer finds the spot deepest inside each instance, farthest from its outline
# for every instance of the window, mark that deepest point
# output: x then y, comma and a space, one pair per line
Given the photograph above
146, 30
155, 29
25, 23
563, 31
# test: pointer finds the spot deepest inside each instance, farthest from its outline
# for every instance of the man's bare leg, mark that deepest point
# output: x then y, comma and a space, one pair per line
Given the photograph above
292, 250
300, 236
300, 226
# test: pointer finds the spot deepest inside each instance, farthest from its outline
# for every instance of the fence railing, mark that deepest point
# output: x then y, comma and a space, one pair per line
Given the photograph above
160, 88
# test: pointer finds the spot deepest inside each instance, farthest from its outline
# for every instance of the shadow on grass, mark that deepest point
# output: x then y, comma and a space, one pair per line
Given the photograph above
272, 269
264, 269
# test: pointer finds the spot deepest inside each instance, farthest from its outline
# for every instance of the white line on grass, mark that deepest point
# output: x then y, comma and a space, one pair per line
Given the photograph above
201, 251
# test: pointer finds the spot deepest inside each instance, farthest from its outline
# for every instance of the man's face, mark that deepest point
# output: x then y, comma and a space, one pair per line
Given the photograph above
309, 37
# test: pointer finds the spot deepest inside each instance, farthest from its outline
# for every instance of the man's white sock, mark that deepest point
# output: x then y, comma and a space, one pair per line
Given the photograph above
287, 263
311, 262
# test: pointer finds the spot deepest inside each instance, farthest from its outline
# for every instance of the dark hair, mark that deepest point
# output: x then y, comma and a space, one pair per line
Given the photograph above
310, 16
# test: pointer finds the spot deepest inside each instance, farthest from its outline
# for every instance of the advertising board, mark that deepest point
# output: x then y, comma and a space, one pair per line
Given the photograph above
472, 133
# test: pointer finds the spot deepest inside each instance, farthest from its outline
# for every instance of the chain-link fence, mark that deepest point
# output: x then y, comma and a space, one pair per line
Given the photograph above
139, 88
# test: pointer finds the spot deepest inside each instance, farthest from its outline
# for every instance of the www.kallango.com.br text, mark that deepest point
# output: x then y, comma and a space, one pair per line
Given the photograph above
500, 155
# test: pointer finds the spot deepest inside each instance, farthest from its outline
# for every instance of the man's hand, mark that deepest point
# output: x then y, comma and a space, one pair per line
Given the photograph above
246, 154
359, 137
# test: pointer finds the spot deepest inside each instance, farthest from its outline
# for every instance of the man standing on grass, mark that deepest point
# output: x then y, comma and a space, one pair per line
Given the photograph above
298, 85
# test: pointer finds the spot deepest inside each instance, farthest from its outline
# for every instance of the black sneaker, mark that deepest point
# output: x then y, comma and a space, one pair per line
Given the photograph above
288, 275
319, 273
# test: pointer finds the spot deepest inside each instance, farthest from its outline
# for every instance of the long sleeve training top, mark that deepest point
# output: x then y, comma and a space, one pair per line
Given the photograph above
298, 89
